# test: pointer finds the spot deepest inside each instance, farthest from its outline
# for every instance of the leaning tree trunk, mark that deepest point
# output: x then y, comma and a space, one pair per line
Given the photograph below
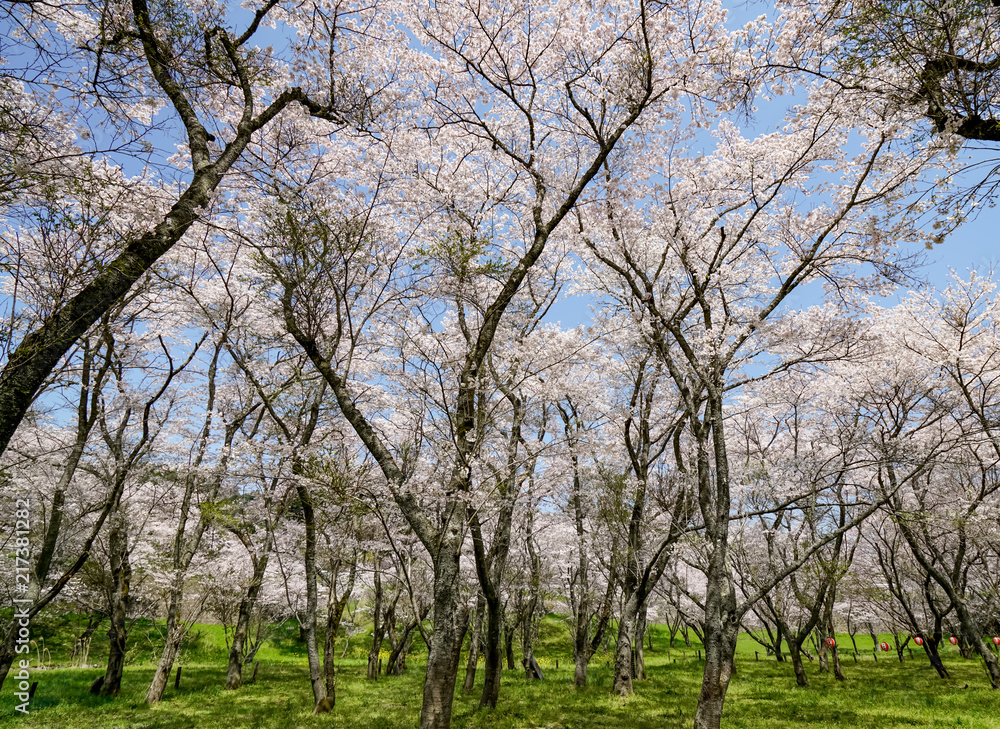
970, 629
234, 673
795, 653
931, 649
397, 658
121, 575
175, 636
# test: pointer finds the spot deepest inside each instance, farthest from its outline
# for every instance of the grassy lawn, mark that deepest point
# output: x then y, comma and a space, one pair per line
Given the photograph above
882, 694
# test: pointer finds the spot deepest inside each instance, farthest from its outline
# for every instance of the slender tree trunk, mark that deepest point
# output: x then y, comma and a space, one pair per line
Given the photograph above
508, 642
378, 626
234, 673
494, 657
821, 650
186, 545
175, 630
796, 655
397, 659
931, 649
529, 624
477, 635
581, 639
581, 656
308, 625
778, 655
121, 575
335, 607
831, 597
581, 579
638, 658
971, 632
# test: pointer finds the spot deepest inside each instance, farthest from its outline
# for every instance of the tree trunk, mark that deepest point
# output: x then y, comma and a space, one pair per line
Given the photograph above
831, 597
477, 634
308, 625
796, 655
121, 575
335, 607
493, 654
821, 651
582, 650
378, 626
175, 635
397, 659
638, 658
721, 630
234, 674
508, 642
449, 626
529, 624
623, 647
970, 630
931, 649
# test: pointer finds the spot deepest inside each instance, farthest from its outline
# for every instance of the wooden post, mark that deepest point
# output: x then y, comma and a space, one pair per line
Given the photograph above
177, 678
699, 655
31, 691
557, 663
756, 655
253, 678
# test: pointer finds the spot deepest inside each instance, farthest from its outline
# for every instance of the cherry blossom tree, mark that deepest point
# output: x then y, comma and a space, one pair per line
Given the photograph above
711, 263
130, 61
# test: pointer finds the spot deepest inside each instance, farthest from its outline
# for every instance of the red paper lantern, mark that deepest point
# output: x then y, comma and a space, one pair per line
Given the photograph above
885, 646
953, 640
996, 640
831, 642
918, 640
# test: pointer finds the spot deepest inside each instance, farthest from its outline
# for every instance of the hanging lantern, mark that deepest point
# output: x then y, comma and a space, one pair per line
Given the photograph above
996, 640
953, 640
885, 646
831, 642
918, 640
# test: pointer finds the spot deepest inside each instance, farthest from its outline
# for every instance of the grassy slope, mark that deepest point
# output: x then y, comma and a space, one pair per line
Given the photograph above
883, 694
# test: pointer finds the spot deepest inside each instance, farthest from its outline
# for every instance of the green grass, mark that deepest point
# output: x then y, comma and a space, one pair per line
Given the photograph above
883, 694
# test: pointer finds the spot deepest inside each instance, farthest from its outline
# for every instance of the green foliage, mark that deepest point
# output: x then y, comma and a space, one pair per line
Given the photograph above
464, 256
